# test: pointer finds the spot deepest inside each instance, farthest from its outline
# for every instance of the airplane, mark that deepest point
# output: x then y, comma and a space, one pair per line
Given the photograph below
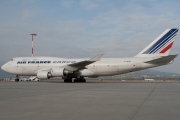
154, 55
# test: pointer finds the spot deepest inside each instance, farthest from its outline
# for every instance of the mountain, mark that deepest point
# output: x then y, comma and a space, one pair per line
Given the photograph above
155, 73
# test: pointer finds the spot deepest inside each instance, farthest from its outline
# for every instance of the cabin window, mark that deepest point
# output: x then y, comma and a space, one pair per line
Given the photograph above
11, 59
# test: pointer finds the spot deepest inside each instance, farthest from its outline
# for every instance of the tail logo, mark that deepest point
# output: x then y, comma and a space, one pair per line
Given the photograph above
164, 43
166, 48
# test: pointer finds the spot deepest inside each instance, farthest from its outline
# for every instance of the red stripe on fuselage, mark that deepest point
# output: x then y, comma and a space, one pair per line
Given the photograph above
167, 48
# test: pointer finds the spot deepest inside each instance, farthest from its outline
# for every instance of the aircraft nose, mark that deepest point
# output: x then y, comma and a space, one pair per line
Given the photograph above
4, 67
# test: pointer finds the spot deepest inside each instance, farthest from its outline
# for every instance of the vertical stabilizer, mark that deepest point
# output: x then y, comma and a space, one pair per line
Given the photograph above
161, 45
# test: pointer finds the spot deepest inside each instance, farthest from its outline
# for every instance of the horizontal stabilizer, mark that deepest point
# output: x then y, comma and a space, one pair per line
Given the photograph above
163, 60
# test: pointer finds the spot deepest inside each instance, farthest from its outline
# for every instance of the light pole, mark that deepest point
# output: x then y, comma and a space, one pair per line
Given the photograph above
33, 43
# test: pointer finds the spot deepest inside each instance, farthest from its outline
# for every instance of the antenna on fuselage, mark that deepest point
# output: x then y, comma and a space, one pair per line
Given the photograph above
33, 43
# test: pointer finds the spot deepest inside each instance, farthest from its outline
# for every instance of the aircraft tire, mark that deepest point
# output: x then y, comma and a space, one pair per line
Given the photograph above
16, 80
68, 80
79, 80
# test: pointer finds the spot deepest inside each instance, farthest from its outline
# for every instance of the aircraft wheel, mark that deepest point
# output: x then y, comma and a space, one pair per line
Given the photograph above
79, 80
16, 80
76, 80
67, 80
84, 80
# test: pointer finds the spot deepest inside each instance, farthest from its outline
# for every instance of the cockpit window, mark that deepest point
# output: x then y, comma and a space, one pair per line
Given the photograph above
11, 59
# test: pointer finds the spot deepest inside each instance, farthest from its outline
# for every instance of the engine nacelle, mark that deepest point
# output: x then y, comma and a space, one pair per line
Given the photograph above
60, 72
43, 75
57, 72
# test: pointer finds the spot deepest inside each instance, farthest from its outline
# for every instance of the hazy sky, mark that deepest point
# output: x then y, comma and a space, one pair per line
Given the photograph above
84, 28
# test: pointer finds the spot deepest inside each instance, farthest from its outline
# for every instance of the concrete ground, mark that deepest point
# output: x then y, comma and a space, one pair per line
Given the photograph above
89, 101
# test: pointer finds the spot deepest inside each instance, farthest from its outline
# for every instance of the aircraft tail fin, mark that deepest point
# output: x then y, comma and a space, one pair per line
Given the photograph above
161, 45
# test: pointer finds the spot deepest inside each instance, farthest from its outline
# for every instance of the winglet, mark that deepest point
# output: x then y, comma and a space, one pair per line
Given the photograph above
96, 58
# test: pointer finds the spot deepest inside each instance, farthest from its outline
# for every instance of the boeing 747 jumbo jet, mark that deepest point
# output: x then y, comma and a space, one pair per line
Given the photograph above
155, 54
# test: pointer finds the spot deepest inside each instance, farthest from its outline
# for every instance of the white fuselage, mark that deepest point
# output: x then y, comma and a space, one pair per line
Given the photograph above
29, 66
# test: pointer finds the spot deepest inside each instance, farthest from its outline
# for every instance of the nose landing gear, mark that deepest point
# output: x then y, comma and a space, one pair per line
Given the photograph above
17, 78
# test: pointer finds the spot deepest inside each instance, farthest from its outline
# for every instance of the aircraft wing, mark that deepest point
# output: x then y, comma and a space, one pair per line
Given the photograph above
163, 60
82, 64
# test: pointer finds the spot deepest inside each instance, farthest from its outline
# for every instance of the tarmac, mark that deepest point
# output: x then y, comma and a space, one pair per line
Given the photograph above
90, 101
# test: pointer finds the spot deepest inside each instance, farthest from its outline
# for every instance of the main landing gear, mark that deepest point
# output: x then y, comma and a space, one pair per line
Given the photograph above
79, 80
69, 80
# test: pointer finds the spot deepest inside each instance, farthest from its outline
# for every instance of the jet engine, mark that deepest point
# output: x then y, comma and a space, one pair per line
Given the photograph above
43, 75
54, 72
60, 72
